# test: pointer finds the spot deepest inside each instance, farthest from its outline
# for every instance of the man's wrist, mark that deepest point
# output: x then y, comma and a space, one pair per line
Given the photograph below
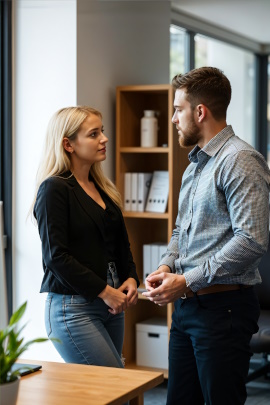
187, 285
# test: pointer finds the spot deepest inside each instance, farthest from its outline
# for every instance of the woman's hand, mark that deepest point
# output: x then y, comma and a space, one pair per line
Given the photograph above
130, 288
116, 300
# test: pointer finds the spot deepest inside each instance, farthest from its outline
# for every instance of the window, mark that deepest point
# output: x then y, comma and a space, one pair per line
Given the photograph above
239, 66
177, 50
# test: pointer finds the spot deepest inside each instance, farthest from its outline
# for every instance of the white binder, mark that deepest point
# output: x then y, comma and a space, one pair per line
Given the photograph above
127, 192
134, 191
144, 181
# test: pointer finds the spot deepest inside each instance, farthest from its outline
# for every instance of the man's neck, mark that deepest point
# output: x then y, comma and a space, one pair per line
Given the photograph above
210, 131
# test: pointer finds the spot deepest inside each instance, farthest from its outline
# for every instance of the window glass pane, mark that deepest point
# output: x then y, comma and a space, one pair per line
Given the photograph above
239, 66
177, 50
268, 114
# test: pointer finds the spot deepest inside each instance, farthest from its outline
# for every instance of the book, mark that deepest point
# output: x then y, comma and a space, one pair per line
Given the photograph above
158, 193
134, 191
144, 181
127, 192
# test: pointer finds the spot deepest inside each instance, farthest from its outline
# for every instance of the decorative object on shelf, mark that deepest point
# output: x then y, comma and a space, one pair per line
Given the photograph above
159, 191
11, 347
149, 129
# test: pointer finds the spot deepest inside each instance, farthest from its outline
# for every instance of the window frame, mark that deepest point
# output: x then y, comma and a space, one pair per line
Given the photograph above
6, 161
195, 26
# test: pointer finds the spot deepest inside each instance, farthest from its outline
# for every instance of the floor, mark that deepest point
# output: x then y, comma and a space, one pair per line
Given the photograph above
258, 393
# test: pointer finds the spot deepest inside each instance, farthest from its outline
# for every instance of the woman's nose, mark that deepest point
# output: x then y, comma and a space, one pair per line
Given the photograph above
104, 139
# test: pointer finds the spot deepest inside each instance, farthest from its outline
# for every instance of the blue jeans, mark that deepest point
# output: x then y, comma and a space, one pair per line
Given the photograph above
89, 334
209, 348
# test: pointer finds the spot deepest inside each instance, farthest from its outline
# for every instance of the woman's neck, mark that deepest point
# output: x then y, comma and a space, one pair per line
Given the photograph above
81, 174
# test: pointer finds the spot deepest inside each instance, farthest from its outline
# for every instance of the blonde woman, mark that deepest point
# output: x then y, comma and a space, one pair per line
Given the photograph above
89, 273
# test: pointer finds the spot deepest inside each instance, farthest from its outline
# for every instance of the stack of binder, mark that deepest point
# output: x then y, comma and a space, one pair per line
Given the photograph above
146, 191
136, 190
152, 254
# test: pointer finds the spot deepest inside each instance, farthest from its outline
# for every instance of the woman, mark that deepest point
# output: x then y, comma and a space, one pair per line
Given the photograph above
89, 272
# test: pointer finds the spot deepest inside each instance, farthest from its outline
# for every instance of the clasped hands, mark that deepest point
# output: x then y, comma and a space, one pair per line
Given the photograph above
164, 287
119, 299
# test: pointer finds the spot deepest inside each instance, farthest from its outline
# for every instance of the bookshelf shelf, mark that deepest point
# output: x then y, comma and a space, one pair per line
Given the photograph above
157, 215
144, 150
147, 227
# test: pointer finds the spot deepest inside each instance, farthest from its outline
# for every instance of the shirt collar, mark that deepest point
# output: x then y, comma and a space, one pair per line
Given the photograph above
213, 146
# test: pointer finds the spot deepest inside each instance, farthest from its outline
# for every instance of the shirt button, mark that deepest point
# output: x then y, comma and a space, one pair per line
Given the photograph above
199, 170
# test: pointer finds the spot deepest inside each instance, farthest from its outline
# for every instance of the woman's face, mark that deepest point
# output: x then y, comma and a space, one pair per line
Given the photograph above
90, 143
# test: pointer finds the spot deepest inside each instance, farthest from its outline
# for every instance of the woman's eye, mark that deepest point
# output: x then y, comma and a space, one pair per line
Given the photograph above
102, 129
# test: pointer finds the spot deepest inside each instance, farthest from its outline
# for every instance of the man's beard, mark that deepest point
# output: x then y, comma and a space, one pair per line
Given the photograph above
190, 137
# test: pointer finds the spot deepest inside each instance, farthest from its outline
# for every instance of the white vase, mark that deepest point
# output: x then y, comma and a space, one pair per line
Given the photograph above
149, 129
9, 392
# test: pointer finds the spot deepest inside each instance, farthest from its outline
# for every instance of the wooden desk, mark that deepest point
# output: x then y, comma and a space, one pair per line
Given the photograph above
69, 384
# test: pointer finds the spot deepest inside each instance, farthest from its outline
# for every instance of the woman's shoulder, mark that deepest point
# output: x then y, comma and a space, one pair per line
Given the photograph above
59, 182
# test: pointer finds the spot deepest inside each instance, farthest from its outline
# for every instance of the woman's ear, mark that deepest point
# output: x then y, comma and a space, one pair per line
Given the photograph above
67, 145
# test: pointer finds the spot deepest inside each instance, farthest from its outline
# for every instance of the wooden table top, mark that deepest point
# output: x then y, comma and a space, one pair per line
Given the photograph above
69, 384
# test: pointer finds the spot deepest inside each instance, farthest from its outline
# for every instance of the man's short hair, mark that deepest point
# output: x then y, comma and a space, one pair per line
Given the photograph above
208, 86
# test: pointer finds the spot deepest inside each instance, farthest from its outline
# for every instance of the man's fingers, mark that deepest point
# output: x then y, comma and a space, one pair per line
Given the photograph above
155, 278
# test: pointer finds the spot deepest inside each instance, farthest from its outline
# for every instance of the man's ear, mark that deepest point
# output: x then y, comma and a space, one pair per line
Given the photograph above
67, 145
201, 112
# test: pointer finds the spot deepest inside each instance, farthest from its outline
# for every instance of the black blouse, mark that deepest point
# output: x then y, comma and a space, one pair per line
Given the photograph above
112, 226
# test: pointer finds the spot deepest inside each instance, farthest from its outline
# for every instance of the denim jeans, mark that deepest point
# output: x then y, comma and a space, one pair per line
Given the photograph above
209, 348
89, 334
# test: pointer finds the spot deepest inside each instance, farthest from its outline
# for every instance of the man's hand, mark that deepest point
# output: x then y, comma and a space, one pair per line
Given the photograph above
130, 288
169, 288
149, 283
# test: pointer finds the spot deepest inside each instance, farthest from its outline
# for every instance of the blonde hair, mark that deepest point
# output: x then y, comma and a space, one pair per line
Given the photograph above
66, 123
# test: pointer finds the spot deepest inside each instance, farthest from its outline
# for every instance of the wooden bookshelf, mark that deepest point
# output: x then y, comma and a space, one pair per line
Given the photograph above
147, 227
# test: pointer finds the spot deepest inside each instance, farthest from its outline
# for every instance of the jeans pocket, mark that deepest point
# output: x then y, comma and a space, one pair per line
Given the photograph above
48, 304
76, 301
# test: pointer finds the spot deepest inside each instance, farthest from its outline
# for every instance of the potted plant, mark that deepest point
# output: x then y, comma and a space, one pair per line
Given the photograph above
11, 347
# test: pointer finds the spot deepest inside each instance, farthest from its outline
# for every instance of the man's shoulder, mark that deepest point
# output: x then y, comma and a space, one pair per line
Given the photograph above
236, 148
235, 144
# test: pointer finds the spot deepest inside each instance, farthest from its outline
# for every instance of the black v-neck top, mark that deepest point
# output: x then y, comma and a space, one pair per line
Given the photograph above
111, 223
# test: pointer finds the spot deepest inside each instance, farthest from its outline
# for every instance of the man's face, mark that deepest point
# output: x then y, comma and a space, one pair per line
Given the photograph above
183, 118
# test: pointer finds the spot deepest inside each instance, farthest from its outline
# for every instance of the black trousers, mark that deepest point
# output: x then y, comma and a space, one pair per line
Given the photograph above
209, 348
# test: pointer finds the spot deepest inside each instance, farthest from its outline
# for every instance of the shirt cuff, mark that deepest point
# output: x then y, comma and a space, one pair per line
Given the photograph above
195, 279
168, 261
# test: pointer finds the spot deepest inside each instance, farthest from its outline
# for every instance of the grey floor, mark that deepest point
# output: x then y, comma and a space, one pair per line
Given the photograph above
258, 393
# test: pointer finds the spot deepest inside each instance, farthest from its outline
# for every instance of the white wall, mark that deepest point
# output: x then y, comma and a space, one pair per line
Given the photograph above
44, 81
120, 43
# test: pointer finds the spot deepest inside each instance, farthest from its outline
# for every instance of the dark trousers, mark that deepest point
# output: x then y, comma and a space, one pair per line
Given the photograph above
209, 348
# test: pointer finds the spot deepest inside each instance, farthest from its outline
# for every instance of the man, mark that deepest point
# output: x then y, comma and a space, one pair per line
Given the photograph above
211, 263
